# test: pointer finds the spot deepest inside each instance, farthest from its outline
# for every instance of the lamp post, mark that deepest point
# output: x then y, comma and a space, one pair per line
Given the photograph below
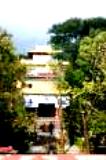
30, 104
61, 124
35, 122
85, 129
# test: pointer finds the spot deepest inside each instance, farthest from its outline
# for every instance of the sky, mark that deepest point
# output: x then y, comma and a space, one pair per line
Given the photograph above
29, 20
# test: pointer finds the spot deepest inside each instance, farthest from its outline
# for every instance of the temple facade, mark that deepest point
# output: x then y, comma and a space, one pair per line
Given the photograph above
40, 92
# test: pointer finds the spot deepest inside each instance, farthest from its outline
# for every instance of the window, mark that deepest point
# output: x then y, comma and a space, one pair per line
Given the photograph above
29, 85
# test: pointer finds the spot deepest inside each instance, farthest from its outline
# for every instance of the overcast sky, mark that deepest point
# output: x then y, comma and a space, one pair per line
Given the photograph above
29, 20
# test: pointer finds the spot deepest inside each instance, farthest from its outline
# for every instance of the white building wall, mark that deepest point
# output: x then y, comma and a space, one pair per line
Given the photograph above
42, 90
33, 101
42, 59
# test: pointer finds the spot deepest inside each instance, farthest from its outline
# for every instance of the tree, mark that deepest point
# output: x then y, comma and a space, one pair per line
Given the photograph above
67, 35
93, 52
89, 97
85, 73
12, 72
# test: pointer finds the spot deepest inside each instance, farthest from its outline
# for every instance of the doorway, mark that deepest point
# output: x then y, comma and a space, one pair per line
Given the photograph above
46, 110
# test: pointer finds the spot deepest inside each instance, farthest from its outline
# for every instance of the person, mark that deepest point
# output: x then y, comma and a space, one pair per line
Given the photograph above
51, 128
43, 127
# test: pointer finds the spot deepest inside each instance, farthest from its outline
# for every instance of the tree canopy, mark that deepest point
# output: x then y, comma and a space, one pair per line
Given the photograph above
83, 45
12, 110
67, 35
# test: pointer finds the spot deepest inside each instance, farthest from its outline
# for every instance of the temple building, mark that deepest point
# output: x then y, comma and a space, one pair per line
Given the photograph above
40, 92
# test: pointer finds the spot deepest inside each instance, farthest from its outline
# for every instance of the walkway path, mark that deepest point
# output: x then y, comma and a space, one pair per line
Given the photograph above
52, 157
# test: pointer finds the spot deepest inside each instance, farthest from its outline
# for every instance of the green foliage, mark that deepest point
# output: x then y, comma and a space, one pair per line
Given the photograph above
75, 77
97, 122
11, 100
83, 44
72, 119
67, 35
